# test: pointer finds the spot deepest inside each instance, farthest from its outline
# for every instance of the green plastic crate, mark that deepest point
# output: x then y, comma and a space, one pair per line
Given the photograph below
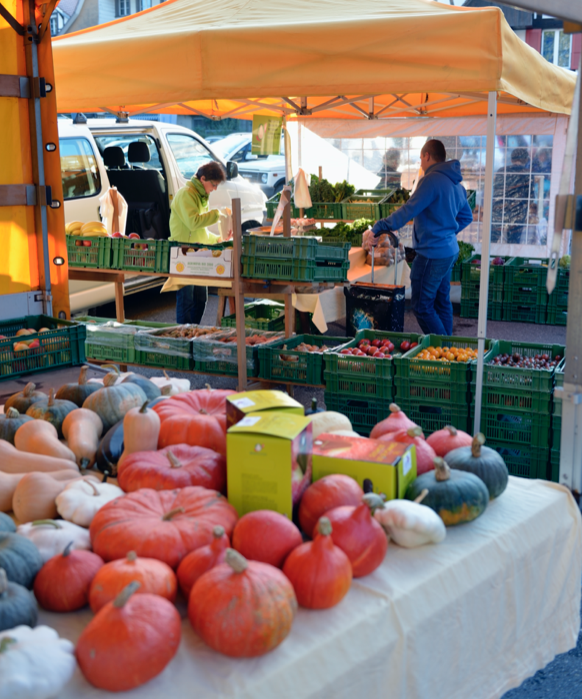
297, 248
436, 416
128, 255
554, 466
412, 390
293, 270
526, 271
111, 341
362, 387
299, 367
524, 313
358, 206
515, 378
363, 414
556, 431
63, 345
98, 255
455, 273
470, 309
471, 273
556, 316
523, 461
472, 198
500, 398
470, 291
262, 316
330, 210
516, 427
211, 356
155, 349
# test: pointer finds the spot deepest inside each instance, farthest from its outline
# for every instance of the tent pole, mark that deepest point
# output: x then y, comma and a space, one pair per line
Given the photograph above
485, 246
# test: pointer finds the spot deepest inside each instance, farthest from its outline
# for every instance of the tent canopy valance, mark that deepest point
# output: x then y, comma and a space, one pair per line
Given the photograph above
317, 58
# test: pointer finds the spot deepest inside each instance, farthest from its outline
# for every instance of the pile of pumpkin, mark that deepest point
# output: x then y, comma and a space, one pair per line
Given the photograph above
126, 548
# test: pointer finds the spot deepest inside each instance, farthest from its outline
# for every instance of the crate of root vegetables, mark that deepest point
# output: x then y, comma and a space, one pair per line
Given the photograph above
170, 348
218, 353
297, 359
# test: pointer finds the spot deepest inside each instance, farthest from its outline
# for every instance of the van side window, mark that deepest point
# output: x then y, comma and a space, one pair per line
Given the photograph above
189, 153
79, 170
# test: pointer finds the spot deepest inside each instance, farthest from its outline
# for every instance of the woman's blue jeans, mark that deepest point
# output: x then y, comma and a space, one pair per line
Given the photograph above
190, 304
431, 299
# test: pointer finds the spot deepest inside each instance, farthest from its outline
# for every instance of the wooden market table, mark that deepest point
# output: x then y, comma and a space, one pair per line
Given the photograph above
470, 617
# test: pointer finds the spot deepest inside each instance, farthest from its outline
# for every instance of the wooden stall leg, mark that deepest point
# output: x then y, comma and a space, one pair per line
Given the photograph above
221, 307
239, 301
119, 307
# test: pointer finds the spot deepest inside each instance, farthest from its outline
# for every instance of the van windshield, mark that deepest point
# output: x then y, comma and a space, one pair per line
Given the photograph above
189, 153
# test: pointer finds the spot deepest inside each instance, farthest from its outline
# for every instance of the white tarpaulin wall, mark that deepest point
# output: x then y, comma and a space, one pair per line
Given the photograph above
307, 151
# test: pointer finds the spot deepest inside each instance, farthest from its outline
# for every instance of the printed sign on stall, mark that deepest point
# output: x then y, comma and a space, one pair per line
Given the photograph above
266, 135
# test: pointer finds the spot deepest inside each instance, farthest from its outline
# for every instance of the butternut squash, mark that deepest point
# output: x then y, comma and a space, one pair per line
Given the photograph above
141, 430
34, 496
82, 429
9, 481
14, 461
40, 437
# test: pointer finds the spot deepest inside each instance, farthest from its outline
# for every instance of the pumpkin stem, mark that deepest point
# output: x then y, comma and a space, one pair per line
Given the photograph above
12, 413
203, 412
125, 594
166, 375
324, 526
28, 389
83, 375
144, 407
113, 367
374, 502
218, 532
84, 463
442, 470
478, 442
208, 387
48, 522
68, 548
452, 430
420, 497
51, 398
394, 408
415, 432
173, 459
6, 642
171, 513
93, 487
131, 556
167, 389
236, 561
110, 379
3, 581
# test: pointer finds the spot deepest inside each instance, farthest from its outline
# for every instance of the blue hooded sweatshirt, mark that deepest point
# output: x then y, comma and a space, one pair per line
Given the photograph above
439, 208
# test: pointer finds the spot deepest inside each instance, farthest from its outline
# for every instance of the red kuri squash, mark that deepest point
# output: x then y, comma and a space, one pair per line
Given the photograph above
173, 467
325, 494
359, 536
424, 452
449, 438
154, 576
319, 571
62, 584
130, 641
266, 536
198, 562
397, 420
162, 524
197, 418
242, 608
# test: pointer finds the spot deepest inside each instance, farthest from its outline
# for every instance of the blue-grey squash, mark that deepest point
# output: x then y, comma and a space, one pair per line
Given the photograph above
25, 398
10, 422
17, 605
52, 410
6, 523
483, 462
150, 389
112, 402
20, 558
78, 392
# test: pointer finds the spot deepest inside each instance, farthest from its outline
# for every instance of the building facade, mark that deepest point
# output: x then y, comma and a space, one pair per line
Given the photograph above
74, 15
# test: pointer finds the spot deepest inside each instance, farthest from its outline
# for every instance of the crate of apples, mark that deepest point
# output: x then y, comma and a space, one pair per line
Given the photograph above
378, 349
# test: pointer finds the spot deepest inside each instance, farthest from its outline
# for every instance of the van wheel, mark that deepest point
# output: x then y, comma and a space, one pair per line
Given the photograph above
250, 224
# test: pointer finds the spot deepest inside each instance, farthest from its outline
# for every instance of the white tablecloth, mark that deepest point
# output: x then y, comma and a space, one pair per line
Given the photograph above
471, 617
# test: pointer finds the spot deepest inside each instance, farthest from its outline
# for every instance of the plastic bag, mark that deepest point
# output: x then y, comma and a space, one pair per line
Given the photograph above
225, 223
301, 195
113, 210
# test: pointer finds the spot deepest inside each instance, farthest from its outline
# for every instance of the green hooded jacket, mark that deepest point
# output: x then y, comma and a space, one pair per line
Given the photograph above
190, 216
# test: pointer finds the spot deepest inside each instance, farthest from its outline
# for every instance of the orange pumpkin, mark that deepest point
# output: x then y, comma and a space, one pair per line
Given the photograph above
198, 562
62, 584
325, 494
449, 438
266, 536
320, 572
242, 608
154, 576
173, 467
425, 454
396, 421
129, 642
162, 524
197, 418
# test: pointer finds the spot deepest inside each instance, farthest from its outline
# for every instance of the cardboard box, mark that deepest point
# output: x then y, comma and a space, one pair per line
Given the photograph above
391, 466
268, 458
242, 404
202, 262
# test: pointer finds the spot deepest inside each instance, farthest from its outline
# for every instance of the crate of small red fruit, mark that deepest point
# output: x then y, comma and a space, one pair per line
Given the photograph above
471, 270
130, 252
365, 366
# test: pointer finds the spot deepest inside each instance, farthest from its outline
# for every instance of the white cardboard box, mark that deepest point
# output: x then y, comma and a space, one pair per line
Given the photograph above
203, 262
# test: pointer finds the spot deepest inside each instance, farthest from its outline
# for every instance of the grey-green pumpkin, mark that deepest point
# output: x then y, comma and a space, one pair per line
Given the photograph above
20, 558
25, 398
112, 402
52, 410
6, 523
150, 389
10, 422
17, 605
78, 392
483, 462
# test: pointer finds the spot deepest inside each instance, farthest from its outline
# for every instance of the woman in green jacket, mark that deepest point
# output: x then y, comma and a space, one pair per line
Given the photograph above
188, 220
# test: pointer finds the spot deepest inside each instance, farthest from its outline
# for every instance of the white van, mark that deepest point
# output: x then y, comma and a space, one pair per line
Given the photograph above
148, 162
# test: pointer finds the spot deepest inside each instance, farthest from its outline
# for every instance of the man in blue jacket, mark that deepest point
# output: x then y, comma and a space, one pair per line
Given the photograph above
440, 211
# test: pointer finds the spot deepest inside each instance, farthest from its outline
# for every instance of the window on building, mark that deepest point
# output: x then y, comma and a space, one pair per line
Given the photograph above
144, 5
79, 170
557, 47
54, 24
122, 8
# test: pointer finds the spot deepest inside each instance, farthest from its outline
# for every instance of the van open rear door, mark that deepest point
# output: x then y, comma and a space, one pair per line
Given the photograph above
33, 252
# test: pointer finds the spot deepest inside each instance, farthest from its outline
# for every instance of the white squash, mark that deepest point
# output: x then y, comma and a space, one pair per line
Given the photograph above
51, 536
34, 663
41, 437
170, 386
329, 421
407, 522
79, 501
347, 433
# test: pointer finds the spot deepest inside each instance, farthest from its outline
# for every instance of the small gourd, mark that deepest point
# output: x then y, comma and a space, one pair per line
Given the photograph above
150, 389
328, 421
484, 462
17, 605
456, 496
113, 401
320, 572
80, 500
78, 392
24, 399
41, 437
170, 386
20, 558
50, 536
52, 410
141, 430
10, 422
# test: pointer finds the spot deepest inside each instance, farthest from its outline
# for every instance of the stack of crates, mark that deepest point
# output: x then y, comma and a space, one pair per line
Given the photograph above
557, 309
262, 315
470, 288
434, 393
516, 413
362, 388
526, 298
554, 474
